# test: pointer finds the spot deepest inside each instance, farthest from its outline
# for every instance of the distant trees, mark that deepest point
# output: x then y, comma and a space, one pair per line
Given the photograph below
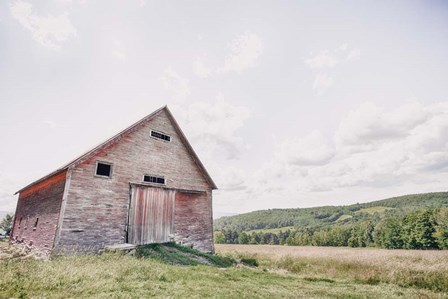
6, 223
219, 237
421, 229
441, 233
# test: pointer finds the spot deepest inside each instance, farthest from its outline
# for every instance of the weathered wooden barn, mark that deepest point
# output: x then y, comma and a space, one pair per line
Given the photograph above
144, 185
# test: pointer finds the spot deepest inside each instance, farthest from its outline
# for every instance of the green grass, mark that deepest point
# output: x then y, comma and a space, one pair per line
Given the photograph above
174, 254
115, 275
373, 210
344, 218
271, 230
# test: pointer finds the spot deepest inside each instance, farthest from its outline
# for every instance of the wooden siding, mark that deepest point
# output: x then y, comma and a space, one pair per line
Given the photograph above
96, 210
151, 215
42, 202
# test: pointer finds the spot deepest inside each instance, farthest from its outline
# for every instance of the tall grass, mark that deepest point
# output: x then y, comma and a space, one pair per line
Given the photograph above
124, 276
404, 268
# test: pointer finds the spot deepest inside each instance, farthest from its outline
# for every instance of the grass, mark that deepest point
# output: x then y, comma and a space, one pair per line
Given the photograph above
174, 254
271, 230
404, 268
344, 218
373, 210
277, 276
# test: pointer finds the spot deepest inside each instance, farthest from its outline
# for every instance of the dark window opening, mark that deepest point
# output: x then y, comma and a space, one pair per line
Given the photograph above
160, 136
154, 179
20, 221
103, 169
35, 223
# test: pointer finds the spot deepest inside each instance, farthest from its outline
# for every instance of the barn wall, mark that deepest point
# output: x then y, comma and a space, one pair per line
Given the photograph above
192, 220
96, 210
41, 201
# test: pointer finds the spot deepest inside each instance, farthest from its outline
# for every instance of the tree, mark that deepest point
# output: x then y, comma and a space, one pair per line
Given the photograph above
6, 223
441, 230
220, 238
243, 238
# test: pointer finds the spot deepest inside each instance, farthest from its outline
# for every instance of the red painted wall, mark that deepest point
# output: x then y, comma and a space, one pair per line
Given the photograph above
42, 202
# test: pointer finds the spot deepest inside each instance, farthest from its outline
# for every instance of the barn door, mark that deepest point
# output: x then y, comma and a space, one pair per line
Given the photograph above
151, 215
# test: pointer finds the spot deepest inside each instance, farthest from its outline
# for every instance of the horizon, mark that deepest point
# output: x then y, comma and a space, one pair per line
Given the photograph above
288, 105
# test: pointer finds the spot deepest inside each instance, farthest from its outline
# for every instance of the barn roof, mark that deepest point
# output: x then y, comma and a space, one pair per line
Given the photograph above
117, 137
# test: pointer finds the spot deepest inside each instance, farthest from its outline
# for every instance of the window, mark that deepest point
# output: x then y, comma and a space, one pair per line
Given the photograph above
35, 223
103, 169
159, 135
154, 179
20, 221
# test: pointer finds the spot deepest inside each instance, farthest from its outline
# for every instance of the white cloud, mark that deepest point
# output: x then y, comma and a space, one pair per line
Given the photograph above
228, 179
322, 59
118, 51
244, 53
322, 82
50, 123
329, 59
369, 125
50, 31
176, 84
200, 69
212, 127
311, 149
373, 148
332, 58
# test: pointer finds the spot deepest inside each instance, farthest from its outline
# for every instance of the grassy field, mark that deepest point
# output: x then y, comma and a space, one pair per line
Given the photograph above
270, 230
283, 272
373, 210
405, 268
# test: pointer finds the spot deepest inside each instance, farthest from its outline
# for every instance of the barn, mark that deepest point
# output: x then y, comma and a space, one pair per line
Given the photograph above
144, 185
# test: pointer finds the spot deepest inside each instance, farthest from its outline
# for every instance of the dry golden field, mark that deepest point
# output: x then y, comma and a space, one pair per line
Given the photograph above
427, 269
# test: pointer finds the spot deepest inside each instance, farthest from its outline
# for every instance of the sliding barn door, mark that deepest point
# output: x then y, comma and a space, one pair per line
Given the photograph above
151, 215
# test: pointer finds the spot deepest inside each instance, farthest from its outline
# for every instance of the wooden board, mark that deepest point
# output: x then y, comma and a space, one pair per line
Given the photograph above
151, 215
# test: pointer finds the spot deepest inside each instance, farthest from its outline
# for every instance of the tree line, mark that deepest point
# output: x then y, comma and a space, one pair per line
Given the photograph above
421, 229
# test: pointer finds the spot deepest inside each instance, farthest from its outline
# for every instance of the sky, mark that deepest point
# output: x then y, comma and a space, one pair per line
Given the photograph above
289, 104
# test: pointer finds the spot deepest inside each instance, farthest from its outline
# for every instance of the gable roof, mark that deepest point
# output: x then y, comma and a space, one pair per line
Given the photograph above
117, 138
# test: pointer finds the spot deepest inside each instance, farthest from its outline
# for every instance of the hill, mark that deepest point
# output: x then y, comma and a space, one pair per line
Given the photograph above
327, 216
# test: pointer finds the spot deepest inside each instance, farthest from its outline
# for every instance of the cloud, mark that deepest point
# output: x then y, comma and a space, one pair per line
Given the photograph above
311, 149
49, 123
118, 51
369, 125
8, 186
371, 148
329, 59
332, 58
229, 179
321, 83
50, 31
244, 53
176, 84
212, 127
200, 69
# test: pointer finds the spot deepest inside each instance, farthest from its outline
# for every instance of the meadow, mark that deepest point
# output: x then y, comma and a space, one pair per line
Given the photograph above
282, 272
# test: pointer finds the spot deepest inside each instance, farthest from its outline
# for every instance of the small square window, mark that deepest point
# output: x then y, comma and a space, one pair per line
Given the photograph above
103, 169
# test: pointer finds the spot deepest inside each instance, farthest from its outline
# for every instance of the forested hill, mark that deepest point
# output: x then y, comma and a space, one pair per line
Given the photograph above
320, 217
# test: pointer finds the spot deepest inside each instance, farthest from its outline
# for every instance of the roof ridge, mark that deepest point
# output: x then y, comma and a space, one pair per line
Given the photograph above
109, 141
